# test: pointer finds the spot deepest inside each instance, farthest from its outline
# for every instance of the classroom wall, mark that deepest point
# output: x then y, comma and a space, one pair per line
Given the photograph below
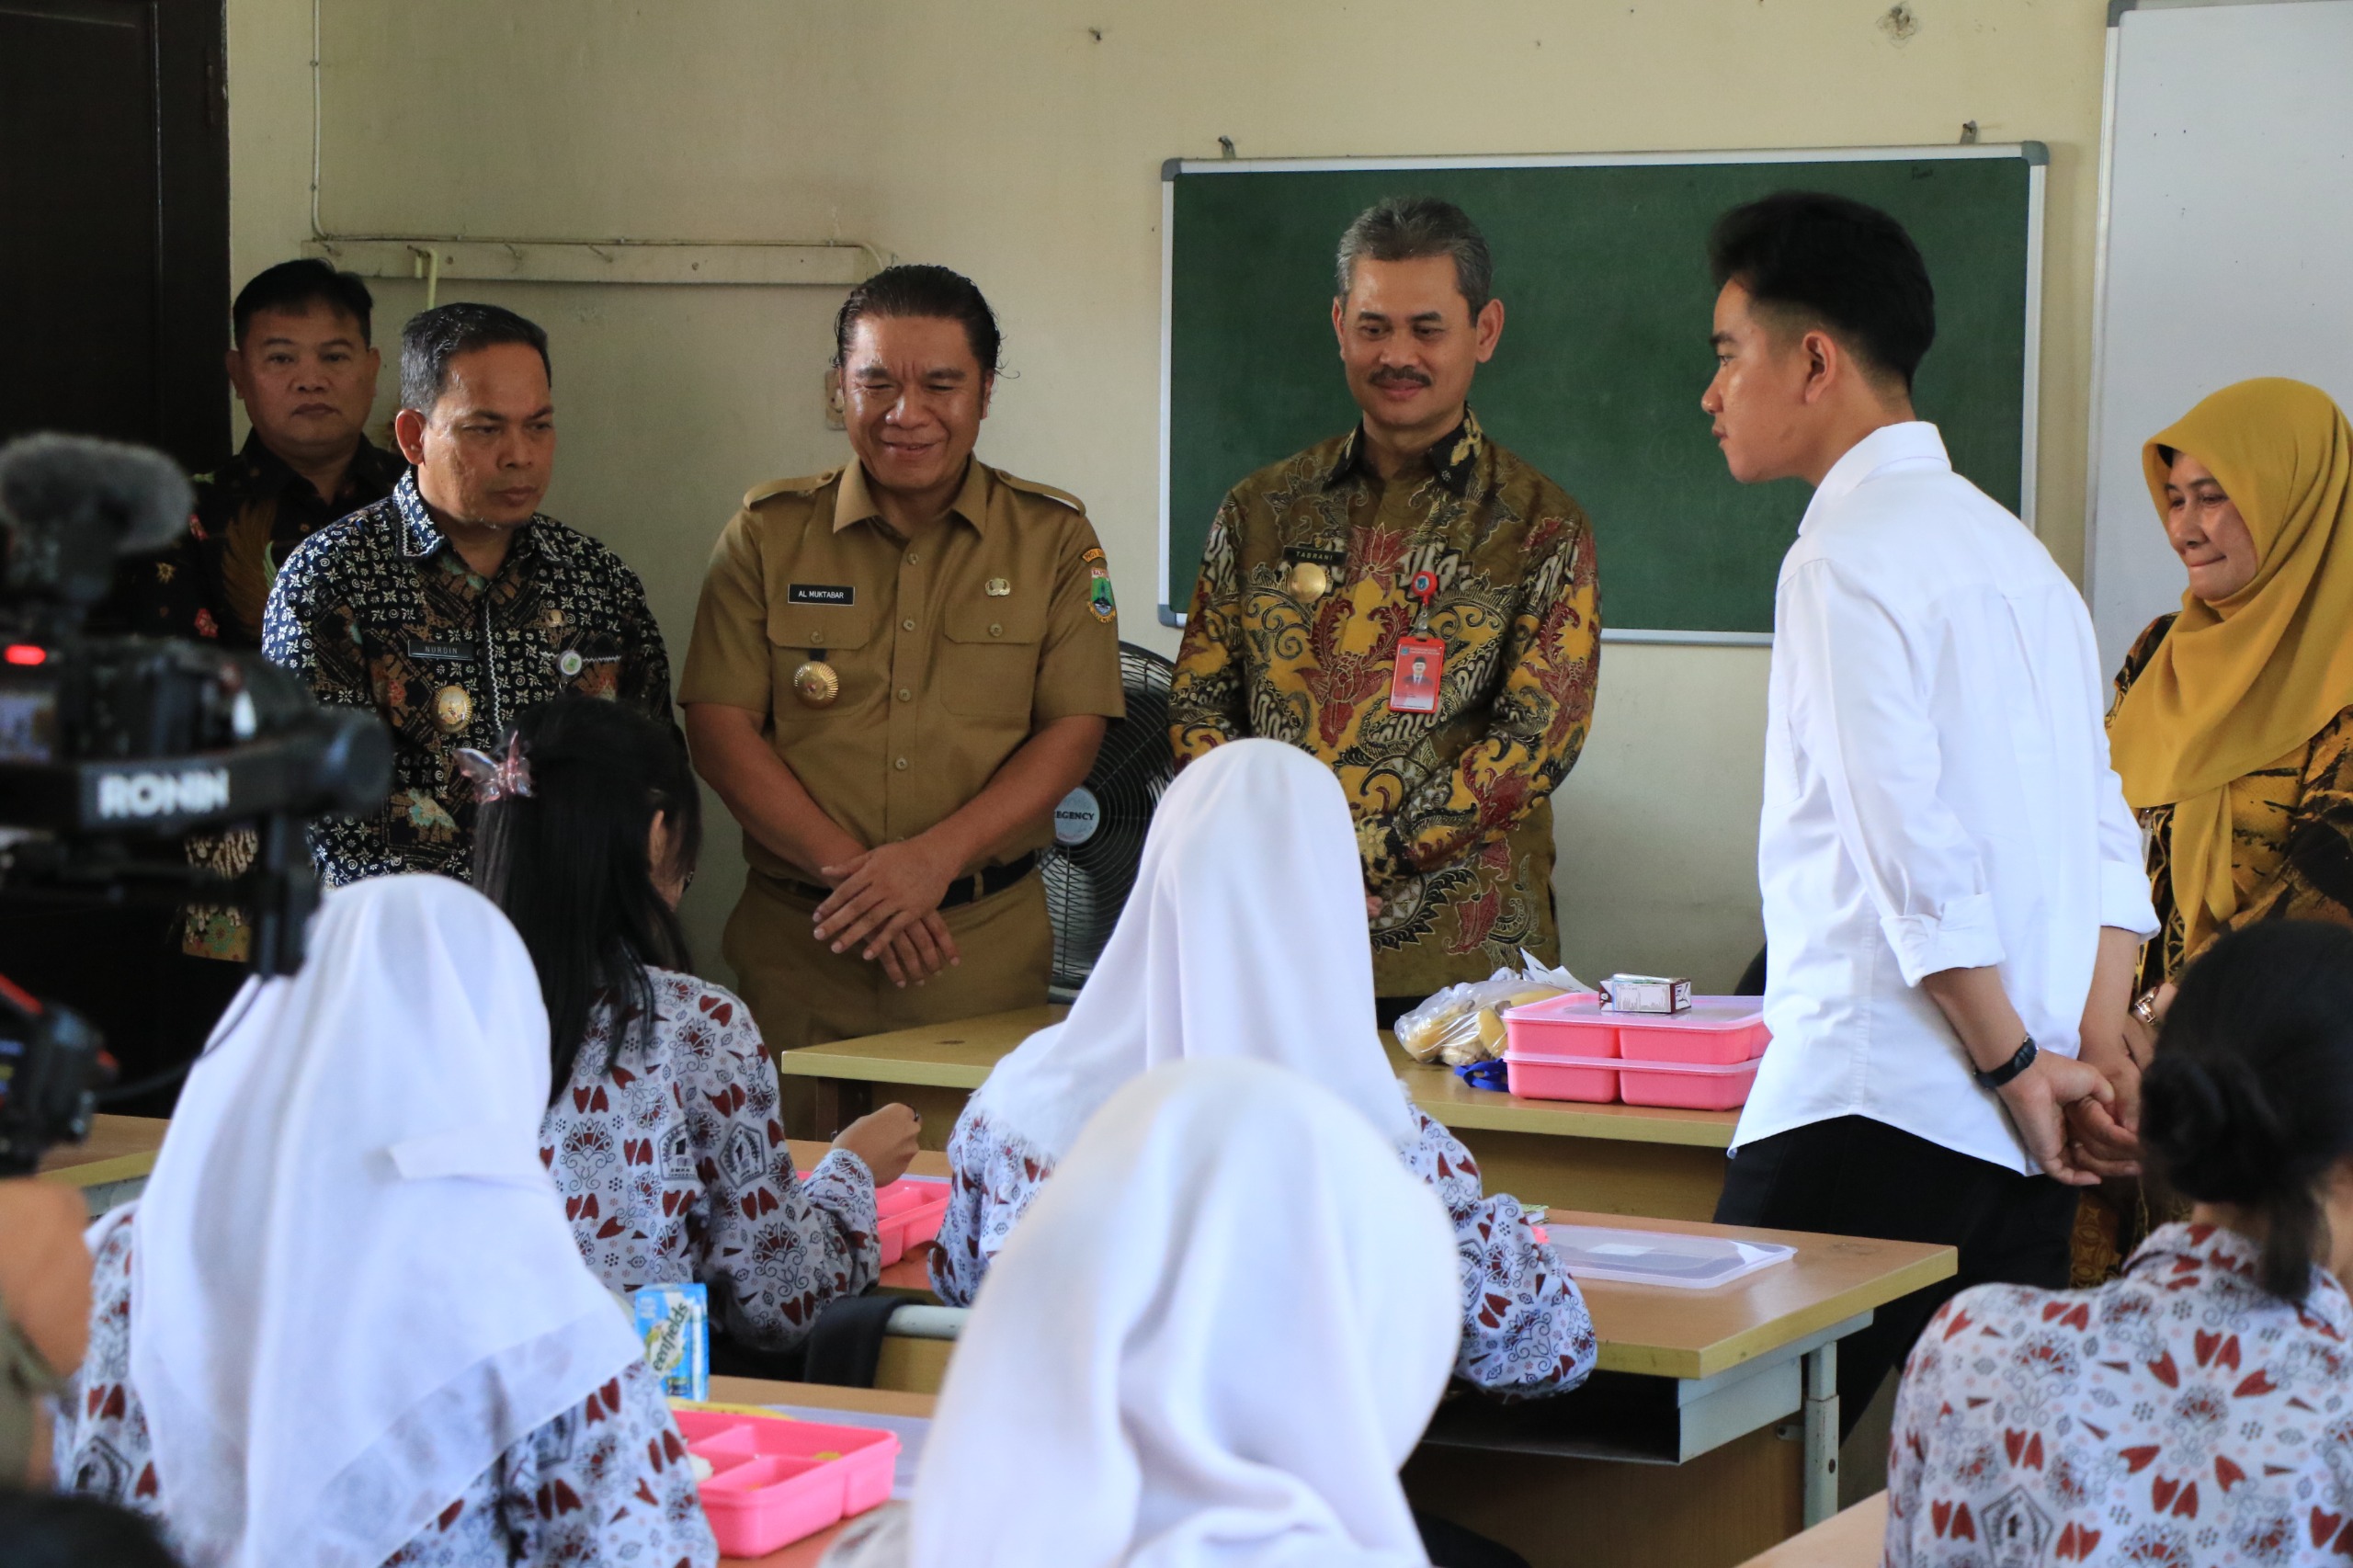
1021, 144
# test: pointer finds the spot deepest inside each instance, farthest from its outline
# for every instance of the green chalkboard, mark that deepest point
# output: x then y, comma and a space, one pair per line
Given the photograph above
1602, 269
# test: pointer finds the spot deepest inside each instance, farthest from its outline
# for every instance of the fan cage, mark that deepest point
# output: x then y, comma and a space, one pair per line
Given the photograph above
1087, 881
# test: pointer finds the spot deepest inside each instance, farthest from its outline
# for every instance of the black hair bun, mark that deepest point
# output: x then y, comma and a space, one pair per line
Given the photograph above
2216, 1130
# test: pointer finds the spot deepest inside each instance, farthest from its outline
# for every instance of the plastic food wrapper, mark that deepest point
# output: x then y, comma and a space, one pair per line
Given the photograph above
674, 1324
1660, 1257
1463, 1024
1485, 1075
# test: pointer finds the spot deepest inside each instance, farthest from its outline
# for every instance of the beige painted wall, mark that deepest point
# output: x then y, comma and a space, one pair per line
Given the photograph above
1020, 143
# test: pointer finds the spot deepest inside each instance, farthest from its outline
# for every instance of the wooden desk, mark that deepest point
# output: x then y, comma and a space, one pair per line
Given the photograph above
111, 1166
1715, 1383
850, 1401
1613, 1158
1851, 1539
1710, 1431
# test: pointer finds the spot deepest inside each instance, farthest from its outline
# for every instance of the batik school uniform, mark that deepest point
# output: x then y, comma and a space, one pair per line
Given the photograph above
673, 1167
346, 1323
1204, 964
1524, 1327
2180, 1414
1083, 1421
604, 1481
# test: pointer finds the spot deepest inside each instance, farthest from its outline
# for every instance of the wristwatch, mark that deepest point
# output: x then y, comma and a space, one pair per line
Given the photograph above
2009, 1070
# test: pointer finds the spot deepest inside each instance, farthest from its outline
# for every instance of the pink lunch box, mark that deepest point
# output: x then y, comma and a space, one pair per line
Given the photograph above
775, 1480
1572, 1048
907, 1213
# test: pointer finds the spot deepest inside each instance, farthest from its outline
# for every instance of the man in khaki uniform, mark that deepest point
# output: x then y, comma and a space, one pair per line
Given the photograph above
899, 668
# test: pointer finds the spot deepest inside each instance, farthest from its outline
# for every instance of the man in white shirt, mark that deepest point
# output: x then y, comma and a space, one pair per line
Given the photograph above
1952, 884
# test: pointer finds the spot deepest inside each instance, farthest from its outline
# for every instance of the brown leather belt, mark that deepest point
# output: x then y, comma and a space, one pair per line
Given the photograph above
984, 883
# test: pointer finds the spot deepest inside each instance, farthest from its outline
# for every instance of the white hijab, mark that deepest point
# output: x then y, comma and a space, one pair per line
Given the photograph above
352, 1283
1212, 1341
1245, 935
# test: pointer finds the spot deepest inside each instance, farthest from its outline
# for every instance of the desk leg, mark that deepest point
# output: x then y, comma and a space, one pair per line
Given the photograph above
1821, 1433
826, 1095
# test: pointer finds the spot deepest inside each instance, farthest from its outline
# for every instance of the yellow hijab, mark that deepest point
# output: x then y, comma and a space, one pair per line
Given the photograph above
2239, 683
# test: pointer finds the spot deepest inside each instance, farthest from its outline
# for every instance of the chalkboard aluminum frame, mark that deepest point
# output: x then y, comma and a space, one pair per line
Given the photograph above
2036, 155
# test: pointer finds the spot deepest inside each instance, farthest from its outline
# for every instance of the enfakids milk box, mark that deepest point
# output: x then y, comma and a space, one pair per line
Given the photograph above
674, 1324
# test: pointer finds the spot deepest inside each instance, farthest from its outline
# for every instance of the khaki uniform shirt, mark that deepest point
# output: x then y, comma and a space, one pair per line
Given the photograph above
1453, 808
950, 649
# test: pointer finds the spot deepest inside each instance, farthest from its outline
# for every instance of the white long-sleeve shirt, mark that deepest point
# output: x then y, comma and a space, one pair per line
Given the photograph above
1937, 795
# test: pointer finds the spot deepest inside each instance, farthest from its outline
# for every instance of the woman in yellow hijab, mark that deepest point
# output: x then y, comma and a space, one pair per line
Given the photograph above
2233, 728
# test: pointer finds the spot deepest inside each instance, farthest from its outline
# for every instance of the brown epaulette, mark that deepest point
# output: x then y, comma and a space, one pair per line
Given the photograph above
1031, 487
776, 487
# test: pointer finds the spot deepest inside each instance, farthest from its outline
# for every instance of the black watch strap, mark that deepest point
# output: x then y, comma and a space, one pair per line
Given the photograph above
2012, 1068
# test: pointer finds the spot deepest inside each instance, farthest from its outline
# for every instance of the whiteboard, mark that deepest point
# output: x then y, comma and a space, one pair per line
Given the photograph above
2226, 249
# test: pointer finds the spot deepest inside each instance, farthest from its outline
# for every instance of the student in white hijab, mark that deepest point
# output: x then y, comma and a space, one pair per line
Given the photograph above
1245, 936
347, 1324
1120, 1396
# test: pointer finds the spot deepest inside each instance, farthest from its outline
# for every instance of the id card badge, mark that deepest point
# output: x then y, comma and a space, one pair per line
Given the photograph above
1421, 665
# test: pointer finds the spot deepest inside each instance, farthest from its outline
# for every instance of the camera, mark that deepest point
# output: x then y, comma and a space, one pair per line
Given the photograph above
113, 748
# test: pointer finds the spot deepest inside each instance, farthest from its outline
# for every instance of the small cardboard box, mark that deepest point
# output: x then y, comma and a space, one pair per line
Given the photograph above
1646, 993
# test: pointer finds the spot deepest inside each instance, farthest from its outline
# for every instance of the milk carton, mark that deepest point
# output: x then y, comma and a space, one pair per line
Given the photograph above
674, 1324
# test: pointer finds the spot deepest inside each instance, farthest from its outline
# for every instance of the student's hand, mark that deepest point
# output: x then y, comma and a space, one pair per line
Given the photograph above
885, 1140
45, 1269
2037, 1100
919, 951
881, 892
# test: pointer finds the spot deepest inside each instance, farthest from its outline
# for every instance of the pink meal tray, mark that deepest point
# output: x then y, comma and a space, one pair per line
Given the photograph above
907, 1213
1572, 1048
1685, 1085
1714, 1030
775, 1480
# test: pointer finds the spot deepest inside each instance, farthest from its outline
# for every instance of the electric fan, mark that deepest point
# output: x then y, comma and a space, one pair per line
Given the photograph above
1100, 827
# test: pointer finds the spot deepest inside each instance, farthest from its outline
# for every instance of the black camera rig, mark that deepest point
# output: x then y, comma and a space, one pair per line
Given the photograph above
113, 748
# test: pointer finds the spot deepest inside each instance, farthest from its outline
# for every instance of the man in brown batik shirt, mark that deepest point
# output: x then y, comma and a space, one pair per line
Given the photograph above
1414, 536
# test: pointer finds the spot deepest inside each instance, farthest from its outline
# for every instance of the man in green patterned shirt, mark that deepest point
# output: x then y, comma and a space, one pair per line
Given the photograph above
1412, 537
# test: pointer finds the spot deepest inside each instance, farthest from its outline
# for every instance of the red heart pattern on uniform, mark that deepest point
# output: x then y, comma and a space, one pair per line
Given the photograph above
2114, 1420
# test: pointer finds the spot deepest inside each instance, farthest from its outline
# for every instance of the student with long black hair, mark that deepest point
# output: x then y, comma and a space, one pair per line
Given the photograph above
663, 1133
2198, 1409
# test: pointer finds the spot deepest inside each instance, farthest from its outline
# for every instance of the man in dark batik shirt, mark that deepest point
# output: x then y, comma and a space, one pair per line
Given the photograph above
304, 367
453, 605
305, 370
